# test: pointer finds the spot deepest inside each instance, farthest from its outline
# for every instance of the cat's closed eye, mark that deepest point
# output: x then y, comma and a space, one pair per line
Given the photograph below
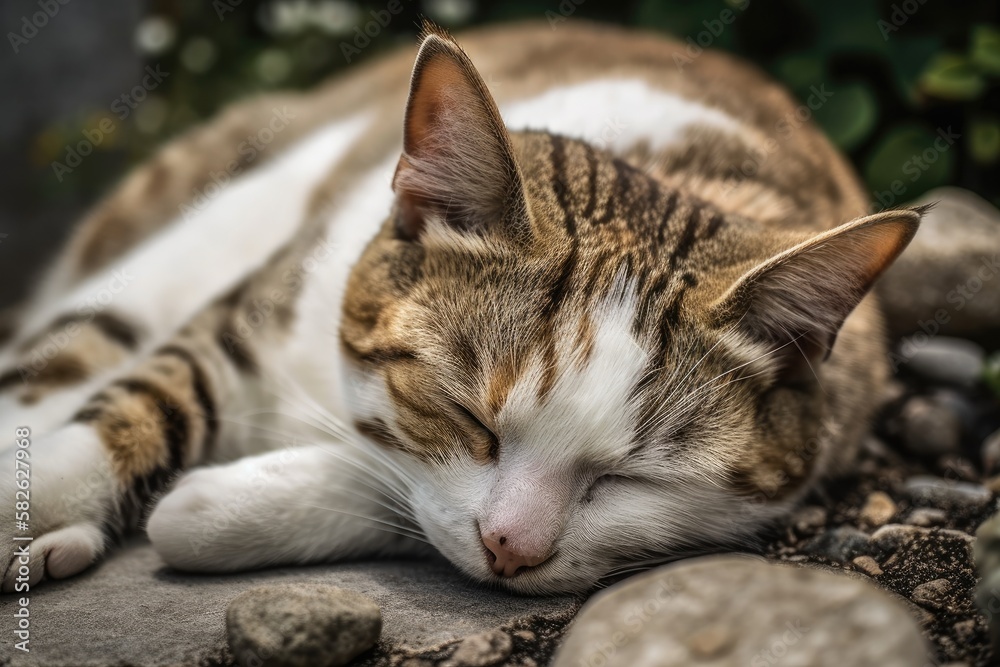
493, 450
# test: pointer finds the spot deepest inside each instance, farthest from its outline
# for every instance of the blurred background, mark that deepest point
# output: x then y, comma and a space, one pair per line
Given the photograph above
94, 87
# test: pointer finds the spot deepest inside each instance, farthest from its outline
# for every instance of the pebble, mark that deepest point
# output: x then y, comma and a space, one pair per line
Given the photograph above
991, 453
840, 544
867, 565
927, 517
948, 360
929, 429
932, 593
809, 519
731, 611
285, 625
928, 490
486, 648
891, 537
878, 510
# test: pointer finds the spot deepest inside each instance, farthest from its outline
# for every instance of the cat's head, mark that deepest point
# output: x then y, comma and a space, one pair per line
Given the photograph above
583, 368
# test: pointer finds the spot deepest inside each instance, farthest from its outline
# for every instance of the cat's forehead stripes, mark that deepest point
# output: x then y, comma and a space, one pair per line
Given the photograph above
587, 410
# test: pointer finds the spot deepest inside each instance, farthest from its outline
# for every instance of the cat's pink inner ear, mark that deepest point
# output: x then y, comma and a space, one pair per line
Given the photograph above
803, 295
457, 160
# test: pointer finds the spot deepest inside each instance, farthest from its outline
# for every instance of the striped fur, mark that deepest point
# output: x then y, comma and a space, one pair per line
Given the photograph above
473, 318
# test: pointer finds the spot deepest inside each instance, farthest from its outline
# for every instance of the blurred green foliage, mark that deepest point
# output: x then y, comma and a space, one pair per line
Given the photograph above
901, 71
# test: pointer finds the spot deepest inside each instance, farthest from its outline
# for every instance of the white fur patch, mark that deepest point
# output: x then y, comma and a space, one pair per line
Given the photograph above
165, 281
615, 114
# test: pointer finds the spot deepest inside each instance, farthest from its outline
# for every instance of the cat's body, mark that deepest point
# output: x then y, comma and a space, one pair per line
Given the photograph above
556, 358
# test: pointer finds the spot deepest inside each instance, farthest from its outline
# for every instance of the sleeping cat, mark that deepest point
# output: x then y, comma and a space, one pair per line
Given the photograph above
580, 306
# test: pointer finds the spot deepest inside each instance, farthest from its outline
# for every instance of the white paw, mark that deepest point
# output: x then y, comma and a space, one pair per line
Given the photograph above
54, 555
60, 499
207, 523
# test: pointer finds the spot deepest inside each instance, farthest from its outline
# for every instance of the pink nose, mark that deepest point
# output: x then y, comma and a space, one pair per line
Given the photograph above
506, 561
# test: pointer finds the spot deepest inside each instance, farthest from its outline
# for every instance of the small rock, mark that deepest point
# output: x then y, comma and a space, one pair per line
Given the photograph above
929, 429
891, 537
877, 510
291, 626
809, 519
868, 565
932, 593
840, 544
486, 648
965, 629
991, 453
949, 360
733, 611
926, 517
957, 240
928, 490
957, 468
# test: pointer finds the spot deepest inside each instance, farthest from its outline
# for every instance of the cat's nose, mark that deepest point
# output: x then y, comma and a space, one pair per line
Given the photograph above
507, 561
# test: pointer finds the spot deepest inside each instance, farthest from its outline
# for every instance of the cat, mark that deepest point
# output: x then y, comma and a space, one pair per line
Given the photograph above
616, 314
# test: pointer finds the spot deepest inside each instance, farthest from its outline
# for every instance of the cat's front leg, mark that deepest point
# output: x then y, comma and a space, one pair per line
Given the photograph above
58, 494
299, 505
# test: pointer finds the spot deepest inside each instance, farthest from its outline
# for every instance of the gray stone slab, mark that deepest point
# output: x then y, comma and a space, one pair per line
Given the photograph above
132, 610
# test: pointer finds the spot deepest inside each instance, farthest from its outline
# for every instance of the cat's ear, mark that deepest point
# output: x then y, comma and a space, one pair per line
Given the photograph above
457, 160
799, 298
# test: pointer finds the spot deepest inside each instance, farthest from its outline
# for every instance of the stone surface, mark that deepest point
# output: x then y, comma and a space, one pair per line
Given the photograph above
481, 650
949, 360
840, 544
926, 517
131, 610
991, 453
943, 493
929, 428
294, 625
878, 510
731, 610
958, 237
932, 593
867, 565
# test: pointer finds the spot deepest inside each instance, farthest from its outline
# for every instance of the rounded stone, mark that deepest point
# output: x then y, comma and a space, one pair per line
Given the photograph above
878, 510
945, 493
731, 610
287, 625
991, 453
951, 360
930, 429
481, 650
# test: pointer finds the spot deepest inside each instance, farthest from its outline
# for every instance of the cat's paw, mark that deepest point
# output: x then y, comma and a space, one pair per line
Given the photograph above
56, 490
55, 555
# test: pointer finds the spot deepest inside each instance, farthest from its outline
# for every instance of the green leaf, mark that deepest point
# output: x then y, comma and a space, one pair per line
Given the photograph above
991, 373
849, 115
952, 77
907, 162
985, 48
984, 140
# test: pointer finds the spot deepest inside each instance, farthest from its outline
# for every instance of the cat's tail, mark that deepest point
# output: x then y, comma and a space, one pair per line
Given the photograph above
947, 282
